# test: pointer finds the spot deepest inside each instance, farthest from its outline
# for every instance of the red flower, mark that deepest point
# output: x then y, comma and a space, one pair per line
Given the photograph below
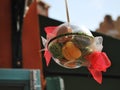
50, 34
98, 62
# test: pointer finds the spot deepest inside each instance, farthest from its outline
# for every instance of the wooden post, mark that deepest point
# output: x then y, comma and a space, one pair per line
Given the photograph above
31, 46
5, 34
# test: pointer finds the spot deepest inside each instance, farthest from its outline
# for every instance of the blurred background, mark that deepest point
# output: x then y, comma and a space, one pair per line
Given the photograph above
88, 13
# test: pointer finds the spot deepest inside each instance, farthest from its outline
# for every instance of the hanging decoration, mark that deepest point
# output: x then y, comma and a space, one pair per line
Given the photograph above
73, 47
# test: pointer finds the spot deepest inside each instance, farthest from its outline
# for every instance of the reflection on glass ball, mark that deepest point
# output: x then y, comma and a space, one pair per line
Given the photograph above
70, 45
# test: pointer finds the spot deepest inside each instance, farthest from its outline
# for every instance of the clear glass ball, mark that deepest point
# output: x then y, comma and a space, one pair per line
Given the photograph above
70, 45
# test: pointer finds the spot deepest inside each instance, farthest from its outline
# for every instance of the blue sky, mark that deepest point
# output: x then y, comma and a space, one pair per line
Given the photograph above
88, 13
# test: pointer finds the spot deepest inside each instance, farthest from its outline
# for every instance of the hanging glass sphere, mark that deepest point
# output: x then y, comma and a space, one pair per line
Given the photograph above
70, 45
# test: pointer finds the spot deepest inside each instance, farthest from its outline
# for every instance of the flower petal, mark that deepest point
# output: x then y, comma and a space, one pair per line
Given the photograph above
47, 56
99, 62
97, 75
